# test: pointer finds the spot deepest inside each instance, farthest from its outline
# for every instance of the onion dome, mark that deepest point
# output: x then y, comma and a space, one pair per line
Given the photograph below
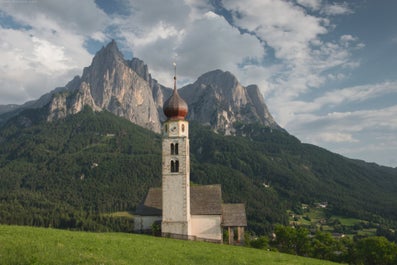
175, 108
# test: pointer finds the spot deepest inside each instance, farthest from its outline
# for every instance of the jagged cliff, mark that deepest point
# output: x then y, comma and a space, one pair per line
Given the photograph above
109, 83
127, 89
219, 100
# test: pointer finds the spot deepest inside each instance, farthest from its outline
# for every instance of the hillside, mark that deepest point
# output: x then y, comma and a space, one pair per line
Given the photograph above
64, 173
69, 173
25, 245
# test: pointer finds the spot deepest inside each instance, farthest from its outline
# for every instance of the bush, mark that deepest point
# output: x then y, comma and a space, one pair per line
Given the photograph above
261, 242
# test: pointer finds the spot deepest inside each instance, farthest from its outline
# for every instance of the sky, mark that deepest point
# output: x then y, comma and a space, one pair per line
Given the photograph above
327, 68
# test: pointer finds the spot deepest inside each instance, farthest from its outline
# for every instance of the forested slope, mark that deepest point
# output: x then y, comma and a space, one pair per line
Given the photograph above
69, 173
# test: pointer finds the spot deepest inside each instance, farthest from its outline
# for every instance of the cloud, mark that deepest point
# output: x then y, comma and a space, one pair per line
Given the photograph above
312, 4
358, 121
197, 38
336, 137
44, 42
353, 133
305, 60
355, 94
293, 112
80, 17
336, 9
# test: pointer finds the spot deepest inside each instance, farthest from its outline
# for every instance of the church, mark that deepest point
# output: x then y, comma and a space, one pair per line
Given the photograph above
185, 211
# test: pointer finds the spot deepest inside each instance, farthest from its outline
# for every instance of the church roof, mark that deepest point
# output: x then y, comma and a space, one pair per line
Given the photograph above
152, 206
234, 215
204, 200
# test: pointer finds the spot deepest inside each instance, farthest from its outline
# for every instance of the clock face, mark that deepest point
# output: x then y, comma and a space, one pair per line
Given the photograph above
173, 129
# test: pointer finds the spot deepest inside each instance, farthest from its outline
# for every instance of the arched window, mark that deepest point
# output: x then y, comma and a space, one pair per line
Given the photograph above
172, 166
176, 166
172, 149
183, 127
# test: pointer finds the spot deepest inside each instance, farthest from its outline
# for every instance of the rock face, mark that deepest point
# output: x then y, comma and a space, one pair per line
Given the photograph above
127, 89
219, 100
110, 83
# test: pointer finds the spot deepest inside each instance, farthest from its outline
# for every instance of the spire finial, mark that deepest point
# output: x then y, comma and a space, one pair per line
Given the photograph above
174, 64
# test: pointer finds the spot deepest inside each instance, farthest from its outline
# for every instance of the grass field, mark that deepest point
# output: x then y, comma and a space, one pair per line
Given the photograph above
27, 245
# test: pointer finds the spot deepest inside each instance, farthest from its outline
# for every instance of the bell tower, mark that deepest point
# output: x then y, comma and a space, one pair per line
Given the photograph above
176, 219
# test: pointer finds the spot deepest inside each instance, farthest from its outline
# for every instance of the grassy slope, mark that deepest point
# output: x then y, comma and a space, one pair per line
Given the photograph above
27, 245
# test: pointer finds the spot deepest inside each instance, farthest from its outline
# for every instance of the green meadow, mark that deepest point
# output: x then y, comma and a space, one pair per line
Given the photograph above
28, 245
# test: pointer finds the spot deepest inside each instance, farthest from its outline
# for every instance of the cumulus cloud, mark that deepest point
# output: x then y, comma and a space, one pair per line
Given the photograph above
44, 42
296, 38
81, 17
197, 38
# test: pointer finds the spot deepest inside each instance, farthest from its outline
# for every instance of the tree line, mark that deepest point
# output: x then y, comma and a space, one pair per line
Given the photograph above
375, 250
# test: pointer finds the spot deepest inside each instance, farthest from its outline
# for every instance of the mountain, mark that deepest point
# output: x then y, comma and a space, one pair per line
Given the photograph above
73, 155
70, 173
219, 100
127, 89
110, 84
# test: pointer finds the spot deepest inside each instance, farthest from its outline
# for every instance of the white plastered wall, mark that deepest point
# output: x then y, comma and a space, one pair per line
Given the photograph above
142, 223
207, 226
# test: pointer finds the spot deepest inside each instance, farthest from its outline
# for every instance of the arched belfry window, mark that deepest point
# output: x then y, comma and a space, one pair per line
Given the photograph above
174, 149
174, 166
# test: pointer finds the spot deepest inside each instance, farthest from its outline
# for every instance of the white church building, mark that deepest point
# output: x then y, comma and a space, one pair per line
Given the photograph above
184, 211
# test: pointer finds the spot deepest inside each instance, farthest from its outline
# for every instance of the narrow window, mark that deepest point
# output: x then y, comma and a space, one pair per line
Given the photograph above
183, 127
173, 149
176, 166
176, 149
172, 166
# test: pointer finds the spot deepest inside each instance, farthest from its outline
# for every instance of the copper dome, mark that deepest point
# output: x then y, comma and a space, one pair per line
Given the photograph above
175, 108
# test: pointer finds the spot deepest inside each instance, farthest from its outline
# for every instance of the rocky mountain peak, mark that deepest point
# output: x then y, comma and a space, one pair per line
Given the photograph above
218, 79
127, 89
109, 52
219, 100
108, 56
109, 83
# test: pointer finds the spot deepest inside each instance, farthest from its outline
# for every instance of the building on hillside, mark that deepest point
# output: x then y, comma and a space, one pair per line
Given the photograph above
184, 211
